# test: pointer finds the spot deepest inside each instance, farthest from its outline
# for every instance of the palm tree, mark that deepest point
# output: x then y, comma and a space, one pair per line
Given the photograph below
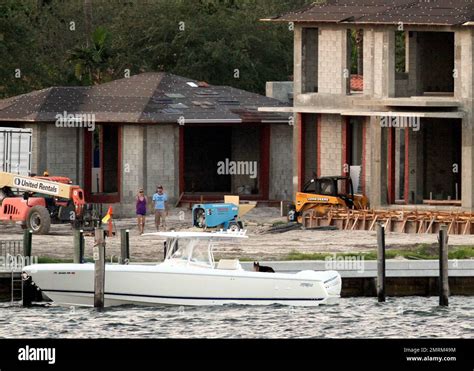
91, 62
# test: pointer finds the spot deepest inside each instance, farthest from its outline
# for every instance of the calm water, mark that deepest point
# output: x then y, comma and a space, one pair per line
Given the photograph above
356, 317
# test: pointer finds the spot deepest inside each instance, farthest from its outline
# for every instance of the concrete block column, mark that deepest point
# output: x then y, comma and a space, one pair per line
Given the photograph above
463, 64
415, 166
378, 160
384, 64
281, 162
297, 152
413, 64
298, 60
369, 54
464, 90
467, 171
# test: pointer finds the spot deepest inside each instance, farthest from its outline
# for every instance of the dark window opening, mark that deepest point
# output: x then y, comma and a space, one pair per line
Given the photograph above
110, 156
310, 51
355, 52
431, 63
400, 52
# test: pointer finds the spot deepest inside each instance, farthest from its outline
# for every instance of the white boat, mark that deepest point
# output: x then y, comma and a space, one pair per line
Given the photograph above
187, 276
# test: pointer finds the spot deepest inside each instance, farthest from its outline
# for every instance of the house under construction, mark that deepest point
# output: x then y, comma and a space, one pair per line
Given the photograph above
406, 134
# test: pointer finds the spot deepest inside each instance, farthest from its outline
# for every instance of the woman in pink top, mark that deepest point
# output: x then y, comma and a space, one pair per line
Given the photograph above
141, 211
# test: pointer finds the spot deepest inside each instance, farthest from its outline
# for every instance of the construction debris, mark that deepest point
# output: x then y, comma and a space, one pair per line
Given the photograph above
401, 221
282, 228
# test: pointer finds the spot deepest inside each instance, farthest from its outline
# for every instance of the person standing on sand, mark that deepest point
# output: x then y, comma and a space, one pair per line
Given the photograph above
141, 211
160, 198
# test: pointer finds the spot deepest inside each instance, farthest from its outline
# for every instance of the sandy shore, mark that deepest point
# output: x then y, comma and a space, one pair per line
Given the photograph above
260, 245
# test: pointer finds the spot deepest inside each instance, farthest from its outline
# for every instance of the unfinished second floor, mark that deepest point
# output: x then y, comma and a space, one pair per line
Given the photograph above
379, 59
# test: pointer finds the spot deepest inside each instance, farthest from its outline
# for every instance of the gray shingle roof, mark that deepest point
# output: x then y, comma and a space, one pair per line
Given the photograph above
416, 12
144, 98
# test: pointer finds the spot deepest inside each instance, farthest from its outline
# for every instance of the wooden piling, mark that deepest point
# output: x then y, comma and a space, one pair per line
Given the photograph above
99, 269
381, 263
78, 246
443, 267
27, 244
124, 246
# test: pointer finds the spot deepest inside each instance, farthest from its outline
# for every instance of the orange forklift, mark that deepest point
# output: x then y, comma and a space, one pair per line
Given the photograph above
39, 201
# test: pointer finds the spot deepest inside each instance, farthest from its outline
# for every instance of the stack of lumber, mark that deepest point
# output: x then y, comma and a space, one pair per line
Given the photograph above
401, 221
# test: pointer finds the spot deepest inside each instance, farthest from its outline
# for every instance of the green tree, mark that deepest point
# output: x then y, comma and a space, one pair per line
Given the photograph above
92, 62
222, 42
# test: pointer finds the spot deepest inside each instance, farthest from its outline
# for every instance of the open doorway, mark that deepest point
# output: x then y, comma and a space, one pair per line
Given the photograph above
428, 163
442, 168
219, 160
102, 157
205, 147
354, 151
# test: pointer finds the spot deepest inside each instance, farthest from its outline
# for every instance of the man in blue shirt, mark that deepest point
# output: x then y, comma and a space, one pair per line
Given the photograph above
160, 199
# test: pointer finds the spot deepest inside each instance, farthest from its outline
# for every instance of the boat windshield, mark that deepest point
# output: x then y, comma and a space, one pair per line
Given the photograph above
195, 251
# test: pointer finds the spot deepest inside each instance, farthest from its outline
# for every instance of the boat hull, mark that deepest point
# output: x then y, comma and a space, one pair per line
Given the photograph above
73, 284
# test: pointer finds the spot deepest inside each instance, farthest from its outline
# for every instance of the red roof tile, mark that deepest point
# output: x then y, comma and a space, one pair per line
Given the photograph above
357, 83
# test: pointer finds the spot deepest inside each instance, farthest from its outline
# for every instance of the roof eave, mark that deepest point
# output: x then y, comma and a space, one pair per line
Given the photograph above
392, 23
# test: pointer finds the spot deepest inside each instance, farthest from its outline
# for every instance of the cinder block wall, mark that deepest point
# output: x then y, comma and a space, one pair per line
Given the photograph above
58, 151
333, 60
281, 90
331, 145
133, 166
162, 151
149, 157
281, 162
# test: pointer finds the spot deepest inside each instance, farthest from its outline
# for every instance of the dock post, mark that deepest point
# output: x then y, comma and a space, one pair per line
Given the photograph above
99, 269
124, 246
381, 263
443, 267
78, 246
27, 244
